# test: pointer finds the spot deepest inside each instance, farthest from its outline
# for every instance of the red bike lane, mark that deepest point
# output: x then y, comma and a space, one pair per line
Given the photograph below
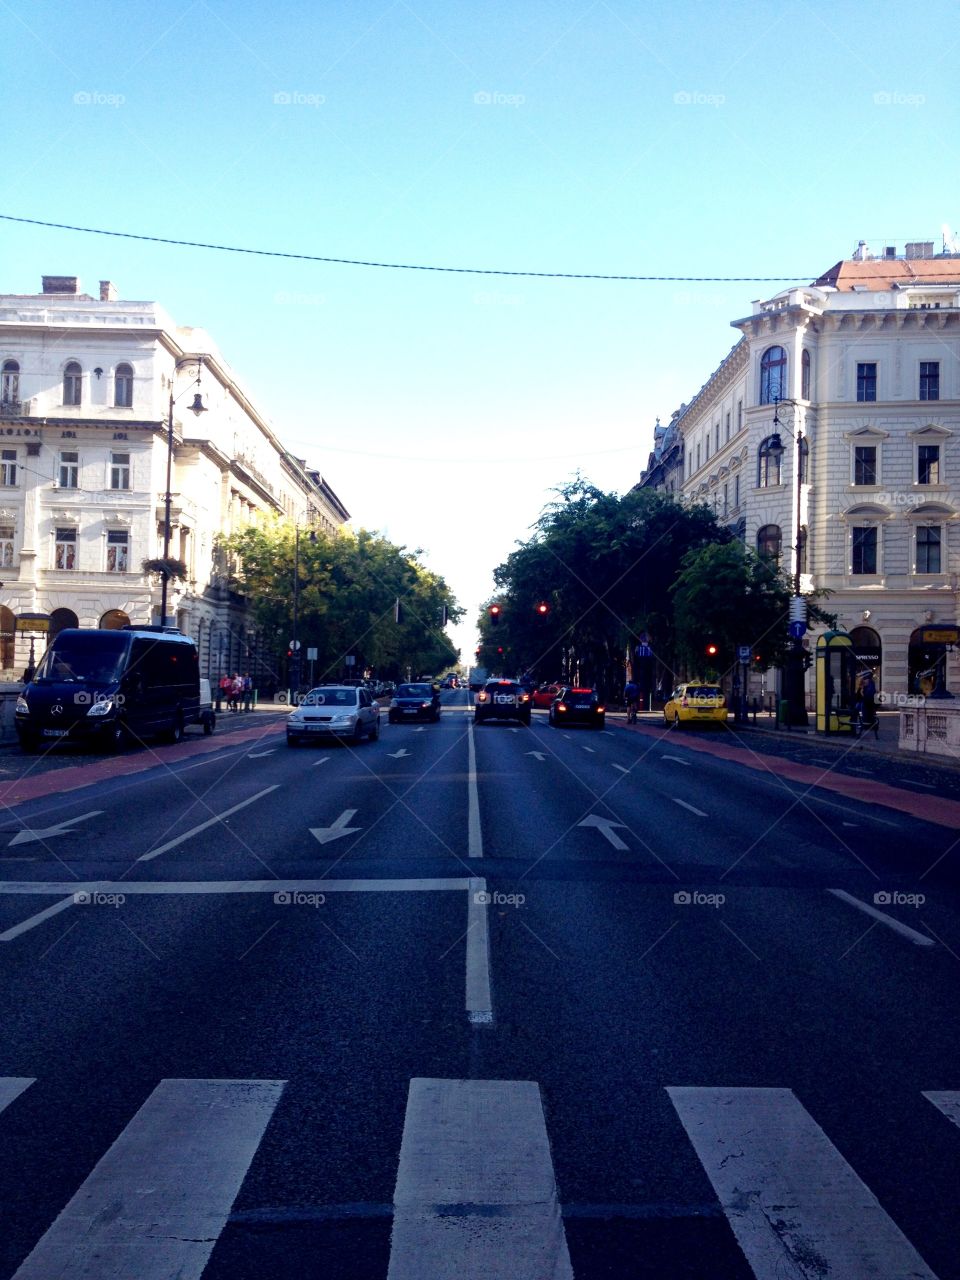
35, 785
928, 808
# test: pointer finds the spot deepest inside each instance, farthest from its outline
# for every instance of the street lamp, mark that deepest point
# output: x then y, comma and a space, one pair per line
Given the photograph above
295, 643
794, 666
197, 407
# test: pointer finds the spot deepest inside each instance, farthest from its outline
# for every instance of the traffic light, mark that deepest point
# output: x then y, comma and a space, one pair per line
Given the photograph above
500, 650
543, 608
444, 617
495, 612
711, 649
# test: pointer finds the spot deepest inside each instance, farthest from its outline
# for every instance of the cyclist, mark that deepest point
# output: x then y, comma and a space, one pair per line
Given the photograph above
631, 696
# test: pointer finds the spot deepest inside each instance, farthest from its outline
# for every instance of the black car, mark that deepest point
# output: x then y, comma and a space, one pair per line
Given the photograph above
414, 702
502, 700
573, 705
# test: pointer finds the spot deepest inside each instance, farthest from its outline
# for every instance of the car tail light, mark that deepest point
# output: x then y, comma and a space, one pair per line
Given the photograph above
601, 710
481, 697
561, 706
524, 697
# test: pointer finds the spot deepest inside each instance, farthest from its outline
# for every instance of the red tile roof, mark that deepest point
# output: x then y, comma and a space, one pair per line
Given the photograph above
879, 274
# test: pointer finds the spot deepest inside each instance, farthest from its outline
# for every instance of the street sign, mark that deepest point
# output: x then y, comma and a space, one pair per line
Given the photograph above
311, 653
928, 635
33, 622
294, 645
350, 660
798, 629
743, 652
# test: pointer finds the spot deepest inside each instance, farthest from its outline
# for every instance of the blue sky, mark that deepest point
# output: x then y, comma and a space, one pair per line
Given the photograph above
609, 137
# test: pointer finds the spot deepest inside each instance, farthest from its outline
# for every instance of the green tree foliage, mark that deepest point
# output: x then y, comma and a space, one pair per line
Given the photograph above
605, 566
348, 585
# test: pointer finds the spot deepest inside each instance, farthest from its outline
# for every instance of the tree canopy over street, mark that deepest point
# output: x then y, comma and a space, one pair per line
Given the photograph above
349, 583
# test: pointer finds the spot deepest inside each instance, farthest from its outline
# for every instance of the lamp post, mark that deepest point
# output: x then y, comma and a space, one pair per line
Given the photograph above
295, 642
794, 665
197, 407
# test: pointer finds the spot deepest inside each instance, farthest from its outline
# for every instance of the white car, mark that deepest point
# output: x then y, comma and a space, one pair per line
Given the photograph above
334, 711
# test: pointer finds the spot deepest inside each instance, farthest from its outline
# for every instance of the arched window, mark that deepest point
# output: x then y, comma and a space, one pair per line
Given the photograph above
61, 618
123, 386
72, 383
804, 449
769, 458
773, 375
805, 375
10, 387
770, 542
113, 620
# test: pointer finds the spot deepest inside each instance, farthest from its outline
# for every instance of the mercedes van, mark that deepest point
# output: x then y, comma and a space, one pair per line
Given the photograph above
111, 688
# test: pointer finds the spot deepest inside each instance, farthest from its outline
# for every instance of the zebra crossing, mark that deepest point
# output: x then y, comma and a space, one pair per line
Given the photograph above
474, 1200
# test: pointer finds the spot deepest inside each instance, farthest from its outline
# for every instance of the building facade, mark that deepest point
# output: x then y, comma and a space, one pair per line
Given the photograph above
86, 388
829, 439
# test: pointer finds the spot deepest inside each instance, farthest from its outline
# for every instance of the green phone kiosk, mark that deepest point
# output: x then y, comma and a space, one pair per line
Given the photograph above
836, 682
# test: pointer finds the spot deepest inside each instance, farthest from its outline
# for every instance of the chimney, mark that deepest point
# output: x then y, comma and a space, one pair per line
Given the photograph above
61, 284
108, 291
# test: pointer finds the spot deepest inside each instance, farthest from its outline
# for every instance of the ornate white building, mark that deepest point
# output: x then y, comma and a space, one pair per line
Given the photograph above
831, 432
84, 413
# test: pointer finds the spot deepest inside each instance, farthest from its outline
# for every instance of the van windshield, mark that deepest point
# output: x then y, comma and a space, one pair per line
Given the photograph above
96, 658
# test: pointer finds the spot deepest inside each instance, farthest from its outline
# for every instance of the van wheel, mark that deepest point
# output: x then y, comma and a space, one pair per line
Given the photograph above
175, 733
209, 724
116, 736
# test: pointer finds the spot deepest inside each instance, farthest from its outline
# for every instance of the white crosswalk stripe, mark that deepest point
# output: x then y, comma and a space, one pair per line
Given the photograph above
798, 1210
157, 1201
11, 1088
476, 1197
947, 1101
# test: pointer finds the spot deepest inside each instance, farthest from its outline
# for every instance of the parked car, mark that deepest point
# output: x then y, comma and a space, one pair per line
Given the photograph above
574, 705
419, 701
695, 704
542, 697
334, 711
107, 687
502, 700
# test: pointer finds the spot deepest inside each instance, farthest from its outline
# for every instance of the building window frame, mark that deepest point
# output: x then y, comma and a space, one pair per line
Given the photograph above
120, 469
65, 541
8, 545
865, 548
770, 543
929, 380
805, 374
864, 470
739, 416
769, 464
123, 386
8, 468
928, 548
773, 375
72, 383
10, 382
929, 463
118, 551
68, 469
867, 371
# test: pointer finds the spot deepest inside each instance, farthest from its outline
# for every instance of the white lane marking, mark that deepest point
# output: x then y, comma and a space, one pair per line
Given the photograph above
853, 769
851, 824
58, 829
590, 749
31, 888
622, 767
479, 1004
947, 1101
31, 922
155, 1204
317, 763
258, 755
909, 782
474, 833
188, 835
336, 829
808, 797
683, 805
398, 755
795, 1206
421, 728
676, 760
539, 754
476, 1200
608, 733
921, 939
11, 1088
604, 825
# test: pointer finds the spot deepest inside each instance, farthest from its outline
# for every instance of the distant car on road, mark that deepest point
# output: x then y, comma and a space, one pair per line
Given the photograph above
695, 704
502, 700
542, 697
574, 705
334, 711
419, 701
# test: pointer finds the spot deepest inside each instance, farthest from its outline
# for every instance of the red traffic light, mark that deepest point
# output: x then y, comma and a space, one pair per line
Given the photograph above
500, 648
711, 650
543, 608
495, 612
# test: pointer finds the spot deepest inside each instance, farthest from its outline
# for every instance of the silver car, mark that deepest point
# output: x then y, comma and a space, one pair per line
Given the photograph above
334, 711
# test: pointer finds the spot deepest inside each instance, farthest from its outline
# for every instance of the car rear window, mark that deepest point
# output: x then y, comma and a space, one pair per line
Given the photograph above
504, 686
415, 691
704, 691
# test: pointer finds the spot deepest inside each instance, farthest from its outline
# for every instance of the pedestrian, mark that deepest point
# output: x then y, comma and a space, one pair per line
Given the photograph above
247, 691
226, 688
236, 691
868, 696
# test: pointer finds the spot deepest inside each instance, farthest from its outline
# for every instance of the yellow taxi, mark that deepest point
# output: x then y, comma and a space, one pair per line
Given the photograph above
696, 704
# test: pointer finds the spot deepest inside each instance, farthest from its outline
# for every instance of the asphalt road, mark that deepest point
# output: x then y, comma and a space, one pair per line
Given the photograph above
478, 1002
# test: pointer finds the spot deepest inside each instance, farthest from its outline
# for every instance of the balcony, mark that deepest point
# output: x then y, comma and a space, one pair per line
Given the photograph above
11, 408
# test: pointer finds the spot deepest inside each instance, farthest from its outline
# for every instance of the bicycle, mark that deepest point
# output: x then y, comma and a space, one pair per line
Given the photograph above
632, 711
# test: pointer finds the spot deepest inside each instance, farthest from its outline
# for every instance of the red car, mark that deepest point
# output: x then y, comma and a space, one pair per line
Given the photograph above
543, 696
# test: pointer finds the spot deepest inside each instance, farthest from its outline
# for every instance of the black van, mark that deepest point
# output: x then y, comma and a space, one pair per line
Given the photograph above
111, 687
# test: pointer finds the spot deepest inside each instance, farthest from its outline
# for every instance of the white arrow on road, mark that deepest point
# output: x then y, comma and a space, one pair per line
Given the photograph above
336, 829
398, 755
538, 754
61, 829
604, 826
